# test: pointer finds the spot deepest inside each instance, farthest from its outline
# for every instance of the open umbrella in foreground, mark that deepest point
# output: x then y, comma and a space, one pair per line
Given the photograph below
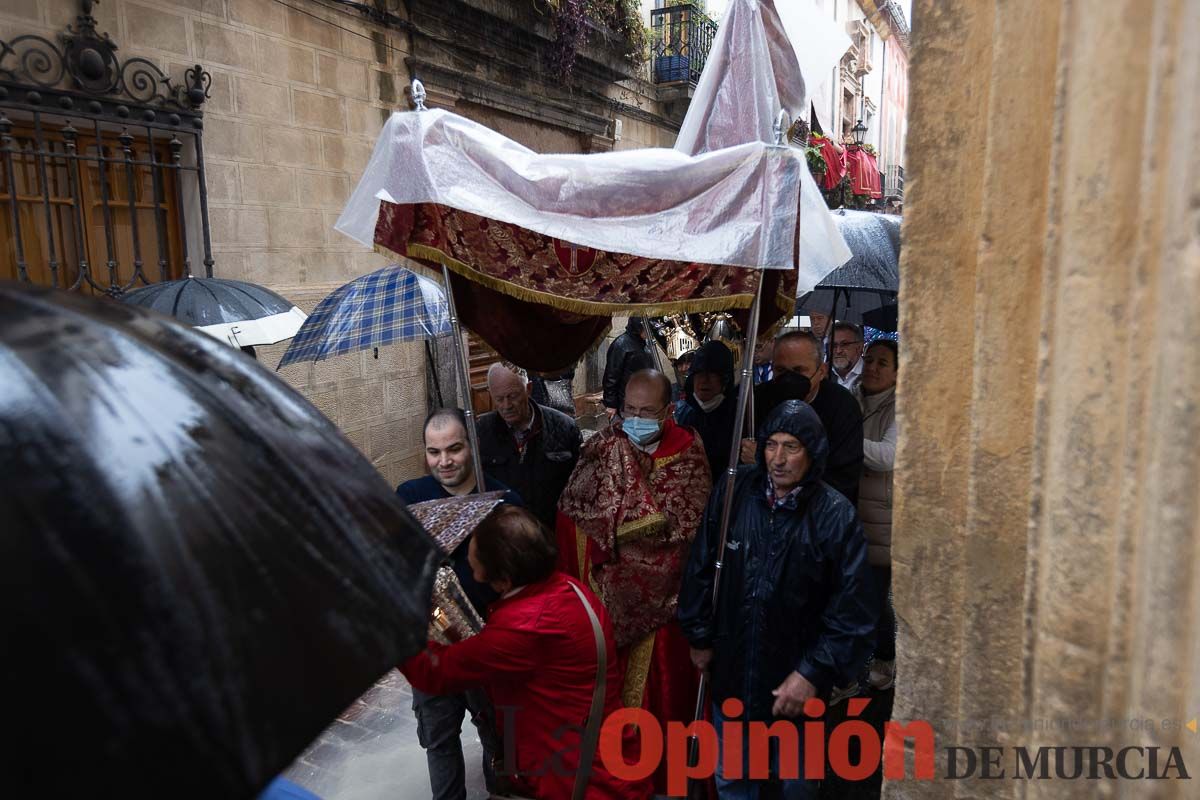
238, 313
388, 306
199, 571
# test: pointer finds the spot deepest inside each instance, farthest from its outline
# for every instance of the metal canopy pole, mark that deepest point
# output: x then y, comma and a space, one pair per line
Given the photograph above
464, 378
462, 365
653, 343
743, 400
743, 404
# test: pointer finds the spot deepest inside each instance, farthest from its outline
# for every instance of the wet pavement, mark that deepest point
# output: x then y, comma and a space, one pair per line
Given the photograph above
371, 752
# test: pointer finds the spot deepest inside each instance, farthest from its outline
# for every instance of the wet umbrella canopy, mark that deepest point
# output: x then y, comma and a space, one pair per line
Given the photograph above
239, 313
871, 278
198, 571
874, 242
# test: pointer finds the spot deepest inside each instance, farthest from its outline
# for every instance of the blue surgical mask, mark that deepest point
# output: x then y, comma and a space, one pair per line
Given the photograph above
641, 430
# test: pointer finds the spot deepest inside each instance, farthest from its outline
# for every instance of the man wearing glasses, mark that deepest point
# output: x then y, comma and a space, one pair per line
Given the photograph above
626, 520
847, 355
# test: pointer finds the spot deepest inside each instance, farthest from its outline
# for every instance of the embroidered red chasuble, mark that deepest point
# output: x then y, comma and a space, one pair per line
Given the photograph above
626, 520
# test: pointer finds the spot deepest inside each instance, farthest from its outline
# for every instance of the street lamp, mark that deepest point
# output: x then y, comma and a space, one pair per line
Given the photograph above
860, 132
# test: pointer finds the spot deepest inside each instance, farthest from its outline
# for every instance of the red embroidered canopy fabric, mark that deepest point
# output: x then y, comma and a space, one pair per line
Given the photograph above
541, 302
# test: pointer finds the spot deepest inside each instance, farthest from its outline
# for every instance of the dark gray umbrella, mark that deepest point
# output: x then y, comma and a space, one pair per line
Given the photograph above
199, 570
238, 313
870, 280
874, 242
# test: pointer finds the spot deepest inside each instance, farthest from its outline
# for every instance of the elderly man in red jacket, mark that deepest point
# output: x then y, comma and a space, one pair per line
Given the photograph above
537, 658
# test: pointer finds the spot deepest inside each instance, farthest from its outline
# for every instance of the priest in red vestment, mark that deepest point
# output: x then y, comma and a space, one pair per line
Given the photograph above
625, 523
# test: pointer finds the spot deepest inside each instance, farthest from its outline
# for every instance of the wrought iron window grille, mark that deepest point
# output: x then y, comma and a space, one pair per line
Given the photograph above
75, 118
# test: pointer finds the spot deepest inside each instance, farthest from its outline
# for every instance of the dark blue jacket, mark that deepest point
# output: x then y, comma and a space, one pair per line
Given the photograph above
795, 587
542, 472
418, 490
715, 427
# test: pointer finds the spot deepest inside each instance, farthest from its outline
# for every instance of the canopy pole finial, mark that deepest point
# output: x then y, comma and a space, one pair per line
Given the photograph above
418, 95
783, 124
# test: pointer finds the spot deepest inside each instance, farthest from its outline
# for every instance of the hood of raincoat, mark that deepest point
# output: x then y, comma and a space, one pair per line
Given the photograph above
714, 357
711, 357
797, 418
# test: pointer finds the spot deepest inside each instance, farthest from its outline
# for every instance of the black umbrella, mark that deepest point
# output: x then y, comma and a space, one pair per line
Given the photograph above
870, 280
886, 318
198, 570
874, 242
239, 313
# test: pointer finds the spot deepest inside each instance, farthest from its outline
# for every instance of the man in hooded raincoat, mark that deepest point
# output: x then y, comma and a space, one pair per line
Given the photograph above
710, 403
796, 610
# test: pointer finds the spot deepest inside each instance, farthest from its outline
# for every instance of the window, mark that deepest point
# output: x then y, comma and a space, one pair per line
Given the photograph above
101, 165
89, 215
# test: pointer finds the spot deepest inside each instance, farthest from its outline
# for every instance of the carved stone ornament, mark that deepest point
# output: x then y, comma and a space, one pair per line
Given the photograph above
85, 61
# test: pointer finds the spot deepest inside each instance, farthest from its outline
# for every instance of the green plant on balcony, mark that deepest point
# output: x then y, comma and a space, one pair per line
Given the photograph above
571, 17
815, 159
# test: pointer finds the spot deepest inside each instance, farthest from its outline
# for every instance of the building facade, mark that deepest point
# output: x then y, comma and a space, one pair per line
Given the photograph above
870, 83
291, 97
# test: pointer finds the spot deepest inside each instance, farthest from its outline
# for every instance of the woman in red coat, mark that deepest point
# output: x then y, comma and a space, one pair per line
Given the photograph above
537, 658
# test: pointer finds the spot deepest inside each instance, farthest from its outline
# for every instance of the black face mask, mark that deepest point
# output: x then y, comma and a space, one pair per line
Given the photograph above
783, 387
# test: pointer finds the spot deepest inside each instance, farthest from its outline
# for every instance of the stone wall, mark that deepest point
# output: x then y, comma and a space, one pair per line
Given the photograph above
298, 96
1047, 523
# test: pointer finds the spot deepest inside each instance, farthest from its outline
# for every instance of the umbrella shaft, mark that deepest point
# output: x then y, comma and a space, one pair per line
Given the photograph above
464, 377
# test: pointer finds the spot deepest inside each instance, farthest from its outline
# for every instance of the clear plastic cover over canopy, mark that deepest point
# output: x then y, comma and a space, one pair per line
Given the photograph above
736, 206
765, 57
753, 71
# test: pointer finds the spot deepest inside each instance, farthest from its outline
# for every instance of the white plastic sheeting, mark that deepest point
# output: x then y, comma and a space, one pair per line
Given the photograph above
753, 71
733, 207
732, 204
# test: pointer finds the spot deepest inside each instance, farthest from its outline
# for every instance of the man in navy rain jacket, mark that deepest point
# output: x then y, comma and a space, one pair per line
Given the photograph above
796, 611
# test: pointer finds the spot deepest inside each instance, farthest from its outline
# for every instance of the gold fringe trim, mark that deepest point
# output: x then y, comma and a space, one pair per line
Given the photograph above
436, 275
424, 269
634, 690
575, 306
640, 528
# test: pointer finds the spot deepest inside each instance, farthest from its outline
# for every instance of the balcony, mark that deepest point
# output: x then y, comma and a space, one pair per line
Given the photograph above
893, 182
681, 37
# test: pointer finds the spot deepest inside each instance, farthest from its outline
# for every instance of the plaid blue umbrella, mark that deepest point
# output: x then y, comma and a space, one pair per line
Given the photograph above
388, 306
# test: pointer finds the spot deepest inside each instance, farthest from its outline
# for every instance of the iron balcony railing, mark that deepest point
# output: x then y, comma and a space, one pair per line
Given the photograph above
681, 38
894, 181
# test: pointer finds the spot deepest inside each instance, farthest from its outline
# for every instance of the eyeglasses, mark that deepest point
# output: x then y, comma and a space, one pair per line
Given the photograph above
645, 413
846, 345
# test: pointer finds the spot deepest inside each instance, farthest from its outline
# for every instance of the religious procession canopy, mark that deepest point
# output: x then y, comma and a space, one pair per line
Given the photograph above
567, 241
